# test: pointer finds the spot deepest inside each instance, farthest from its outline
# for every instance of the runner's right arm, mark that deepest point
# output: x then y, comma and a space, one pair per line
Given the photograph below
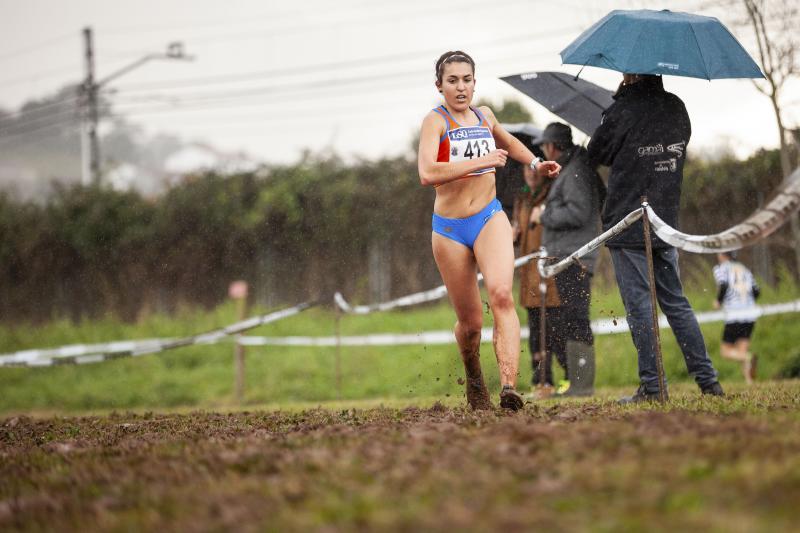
432, 172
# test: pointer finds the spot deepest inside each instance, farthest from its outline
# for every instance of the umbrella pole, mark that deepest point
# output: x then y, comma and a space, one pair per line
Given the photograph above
648, 246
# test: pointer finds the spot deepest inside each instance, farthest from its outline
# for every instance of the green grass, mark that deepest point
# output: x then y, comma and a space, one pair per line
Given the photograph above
202, 376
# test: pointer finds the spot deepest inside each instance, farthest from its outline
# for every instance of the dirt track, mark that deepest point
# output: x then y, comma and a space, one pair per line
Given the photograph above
563, 466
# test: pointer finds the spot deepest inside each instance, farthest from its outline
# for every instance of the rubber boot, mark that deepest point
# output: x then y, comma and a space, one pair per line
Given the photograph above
580, 369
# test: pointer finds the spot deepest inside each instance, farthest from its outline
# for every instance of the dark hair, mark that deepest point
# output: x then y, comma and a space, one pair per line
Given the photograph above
452, 57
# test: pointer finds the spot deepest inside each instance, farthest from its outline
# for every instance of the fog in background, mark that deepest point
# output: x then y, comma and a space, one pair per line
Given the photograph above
270, 80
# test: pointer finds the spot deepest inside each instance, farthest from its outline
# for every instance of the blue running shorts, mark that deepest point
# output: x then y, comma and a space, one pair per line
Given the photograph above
466, 230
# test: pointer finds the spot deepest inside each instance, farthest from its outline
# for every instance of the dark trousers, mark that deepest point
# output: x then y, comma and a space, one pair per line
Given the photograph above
630, 268
569, 322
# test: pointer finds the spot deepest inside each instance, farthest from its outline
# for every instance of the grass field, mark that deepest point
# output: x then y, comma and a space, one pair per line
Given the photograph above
202, 376
699, 464
157, 442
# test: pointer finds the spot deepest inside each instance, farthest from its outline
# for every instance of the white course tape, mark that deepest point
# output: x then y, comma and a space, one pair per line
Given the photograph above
758, 226
77, 350
412, 299
605, 326
94, 353
597, 242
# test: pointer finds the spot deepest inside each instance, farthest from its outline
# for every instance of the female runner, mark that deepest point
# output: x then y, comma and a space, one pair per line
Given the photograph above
459, 148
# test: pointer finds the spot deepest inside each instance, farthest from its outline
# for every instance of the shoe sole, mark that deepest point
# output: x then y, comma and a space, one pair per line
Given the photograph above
511, 400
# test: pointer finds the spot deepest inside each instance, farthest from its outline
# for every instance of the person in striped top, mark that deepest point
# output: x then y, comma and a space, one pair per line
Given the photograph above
737, 292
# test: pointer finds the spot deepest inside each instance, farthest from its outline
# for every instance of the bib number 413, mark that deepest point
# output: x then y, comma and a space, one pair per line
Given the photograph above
476, 148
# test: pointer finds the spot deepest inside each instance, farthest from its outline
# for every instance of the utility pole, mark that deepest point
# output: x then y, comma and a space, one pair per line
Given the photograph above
89, 91
90, 148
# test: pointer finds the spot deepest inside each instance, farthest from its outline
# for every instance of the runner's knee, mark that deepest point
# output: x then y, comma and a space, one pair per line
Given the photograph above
501, 298
469, 328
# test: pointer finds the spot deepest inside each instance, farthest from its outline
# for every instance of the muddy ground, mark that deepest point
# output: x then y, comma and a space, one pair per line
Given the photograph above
700, 464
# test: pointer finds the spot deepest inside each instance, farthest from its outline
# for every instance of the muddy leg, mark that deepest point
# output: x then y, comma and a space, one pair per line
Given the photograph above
469, 342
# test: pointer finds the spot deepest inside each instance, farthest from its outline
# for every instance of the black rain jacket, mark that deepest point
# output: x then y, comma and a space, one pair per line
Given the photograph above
643, 138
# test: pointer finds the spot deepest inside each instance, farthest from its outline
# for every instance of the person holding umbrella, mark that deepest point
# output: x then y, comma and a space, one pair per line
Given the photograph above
459, 148
643, 137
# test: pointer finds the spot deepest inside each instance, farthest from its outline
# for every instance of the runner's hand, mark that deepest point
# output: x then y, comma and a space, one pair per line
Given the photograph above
548, 169
496, 158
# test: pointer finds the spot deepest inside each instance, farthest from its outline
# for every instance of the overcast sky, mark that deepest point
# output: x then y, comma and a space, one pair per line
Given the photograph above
356, 76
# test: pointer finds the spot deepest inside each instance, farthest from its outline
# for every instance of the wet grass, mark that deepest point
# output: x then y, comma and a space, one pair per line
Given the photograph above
712, 464
202, 376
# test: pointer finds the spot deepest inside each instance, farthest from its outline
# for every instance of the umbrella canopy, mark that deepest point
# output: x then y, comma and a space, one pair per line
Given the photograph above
577, 101
662, 42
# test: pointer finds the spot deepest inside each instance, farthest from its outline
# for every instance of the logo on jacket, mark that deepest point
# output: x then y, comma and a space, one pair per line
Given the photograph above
668, 165
677, 148
646, 151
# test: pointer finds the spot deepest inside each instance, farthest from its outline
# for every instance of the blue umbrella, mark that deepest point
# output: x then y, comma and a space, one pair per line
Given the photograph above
662, 42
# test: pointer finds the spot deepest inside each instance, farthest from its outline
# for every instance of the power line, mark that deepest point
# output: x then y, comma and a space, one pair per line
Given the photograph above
58, 117
463, 6
293, 92
13, 140
36, 47
46, 74
37, 108
298, 91
360, 15
283, 29
50, 73
361, 62
336, 65
255, 18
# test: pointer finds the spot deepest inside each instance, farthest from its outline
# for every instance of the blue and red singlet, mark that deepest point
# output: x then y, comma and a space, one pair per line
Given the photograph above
462, 143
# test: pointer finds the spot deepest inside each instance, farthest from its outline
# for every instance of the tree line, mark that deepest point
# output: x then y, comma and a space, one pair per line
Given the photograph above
294, 232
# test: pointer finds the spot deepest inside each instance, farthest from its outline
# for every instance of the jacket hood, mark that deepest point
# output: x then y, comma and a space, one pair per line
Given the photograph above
649, 84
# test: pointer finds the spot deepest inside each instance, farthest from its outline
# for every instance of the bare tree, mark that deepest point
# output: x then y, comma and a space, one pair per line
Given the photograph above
773, 23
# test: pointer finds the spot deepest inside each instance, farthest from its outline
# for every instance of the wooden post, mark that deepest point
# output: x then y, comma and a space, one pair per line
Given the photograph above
648, 247
338, 354
541, 368
238, 292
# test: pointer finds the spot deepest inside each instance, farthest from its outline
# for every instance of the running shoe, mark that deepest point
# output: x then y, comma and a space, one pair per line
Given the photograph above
511, 399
